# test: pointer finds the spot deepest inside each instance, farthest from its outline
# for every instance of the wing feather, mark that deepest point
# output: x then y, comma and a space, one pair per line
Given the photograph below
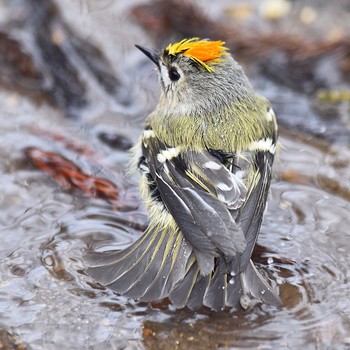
253, 209
204, 220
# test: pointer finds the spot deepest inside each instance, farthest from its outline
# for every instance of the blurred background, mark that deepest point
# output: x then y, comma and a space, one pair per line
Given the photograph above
74, 92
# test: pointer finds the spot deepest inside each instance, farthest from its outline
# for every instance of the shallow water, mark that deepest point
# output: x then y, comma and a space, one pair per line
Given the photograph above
47, 300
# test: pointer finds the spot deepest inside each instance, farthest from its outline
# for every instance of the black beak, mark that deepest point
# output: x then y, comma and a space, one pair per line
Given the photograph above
151, 54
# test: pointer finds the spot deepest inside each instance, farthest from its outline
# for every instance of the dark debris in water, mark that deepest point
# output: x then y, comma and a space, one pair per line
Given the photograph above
116, 141
112, 306
70, 177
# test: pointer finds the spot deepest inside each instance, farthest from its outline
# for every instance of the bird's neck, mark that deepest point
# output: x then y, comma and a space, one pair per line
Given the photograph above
223, 128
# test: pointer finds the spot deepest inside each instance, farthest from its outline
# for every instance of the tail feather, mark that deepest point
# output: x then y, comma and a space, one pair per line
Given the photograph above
135, 281
180, 294
255, 284
148, 270
215, 295
220, 289
195, 301
163, 264
234, 291
171, 272
109, 266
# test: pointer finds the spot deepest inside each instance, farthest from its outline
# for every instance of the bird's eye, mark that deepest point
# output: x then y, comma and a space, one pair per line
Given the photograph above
174, 74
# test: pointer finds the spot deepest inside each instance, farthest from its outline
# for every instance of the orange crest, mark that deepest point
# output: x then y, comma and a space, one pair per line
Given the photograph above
198, 50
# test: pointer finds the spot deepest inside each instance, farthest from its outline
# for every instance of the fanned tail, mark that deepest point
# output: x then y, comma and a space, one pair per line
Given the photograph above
148, 270
163, 264
220, 289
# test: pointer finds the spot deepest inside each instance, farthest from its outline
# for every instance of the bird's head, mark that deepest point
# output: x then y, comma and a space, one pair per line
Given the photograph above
201, 73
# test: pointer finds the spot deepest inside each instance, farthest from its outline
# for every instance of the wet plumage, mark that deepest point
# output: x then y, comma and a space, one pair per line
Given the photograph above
205, 160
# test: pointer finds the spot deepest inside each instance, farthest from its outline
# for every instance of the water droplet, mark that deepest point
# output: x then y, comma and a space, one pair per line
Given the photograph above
223, 287
263, 291
270, 260
233, 273
231, 281
279, 280
322, 129
245, 301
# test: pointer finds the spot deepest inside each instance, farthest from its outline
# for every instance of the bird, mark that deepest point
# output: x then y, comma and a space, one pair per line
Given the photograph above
205, 160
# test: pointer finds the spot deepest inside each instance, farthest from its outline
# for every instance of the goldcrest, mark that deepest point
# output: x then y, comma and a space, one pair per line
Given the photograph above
205, 159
